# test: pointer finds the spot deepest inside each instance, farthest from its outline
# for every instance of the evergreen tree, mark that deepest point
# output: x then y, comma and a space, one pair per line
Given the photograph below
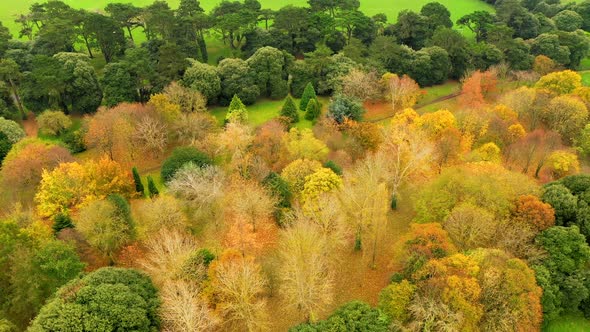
237, 111
308, 95
313, 110
153, 190
61, 221
137, 179
289, 110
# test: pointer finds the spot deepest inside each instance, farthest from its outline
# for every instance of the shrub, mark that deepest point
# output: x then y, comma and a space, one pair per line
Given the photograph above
313, 110
333, 166
344, 107
289, 110
53, 122
75, 140
237, 111
137, 179
181, 156
12, 130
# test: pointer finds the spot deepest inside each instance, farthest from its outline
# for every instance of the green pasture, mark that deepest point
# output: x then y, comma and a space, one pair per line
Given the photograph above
10, 9
568, 323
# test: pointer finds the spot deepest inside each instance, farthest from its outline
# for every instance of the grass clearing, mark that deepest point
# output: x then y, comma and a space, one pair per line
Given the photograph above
568, 323
10, 9
266, 109
585, 78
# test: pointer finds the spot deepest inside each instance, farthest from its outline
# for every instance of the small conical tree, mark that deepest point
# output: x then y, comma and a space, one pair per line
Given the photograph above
137, 179
152, 187
313, 110
237, 111
308, 94
289, 110
61, 221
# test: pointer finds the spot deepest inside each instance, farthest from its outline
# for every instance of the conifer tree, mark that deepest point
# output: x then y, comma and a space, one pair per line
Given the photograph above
289, 110
313, 110
237, 111
137, 179
152, 187
308, 95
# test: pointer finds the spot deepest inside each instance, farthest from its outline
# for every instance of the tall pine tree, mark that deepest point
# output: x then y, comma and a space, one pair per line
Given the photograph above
137, 179
289, 110
313, 110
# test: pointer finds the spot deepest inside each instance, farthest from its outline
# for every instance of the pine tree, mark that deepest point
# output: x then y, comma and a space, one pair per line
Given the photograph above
289, 110
313, 110
152, 187
308, 95
137, 179
237, 111
61, 221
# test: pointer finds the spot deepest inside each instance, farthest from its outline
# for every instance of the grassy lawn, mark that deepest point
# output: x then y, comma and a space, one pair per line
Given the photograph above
569, 323
585, 78
458, 8
438, 91
264, 110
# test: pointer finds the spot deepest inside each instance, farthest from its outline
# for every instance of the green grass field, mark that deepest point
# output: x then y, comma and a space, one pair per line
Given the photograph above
568, 324
10, 9
585, 77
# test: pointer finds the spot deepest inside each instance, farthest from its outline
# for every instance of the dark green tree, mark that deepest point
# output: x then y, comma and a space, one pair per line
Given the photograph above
353, 316
549, 45
289, 110
568, 20
412, 29
237, 79
181, 156
61, 221
118, 84
270, 67
5, 146
112, 299
484, 55
278, 188
562, 200
126, 15
152, 188
437, 14
457, 48
107, 33
478, 22
203, 78
137, 179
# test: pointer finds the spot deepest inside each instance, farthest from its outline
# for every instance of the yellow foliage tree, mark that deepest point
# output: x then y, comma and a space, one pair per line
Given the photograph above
302, 144
162, 104
562, 163
560, 82
322, 181
435, 123
296, 172
487, 152
401, 91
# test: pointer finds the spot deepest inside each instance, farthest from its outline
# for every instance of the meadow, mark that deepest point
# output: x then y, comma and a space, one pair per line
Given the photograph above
10, 9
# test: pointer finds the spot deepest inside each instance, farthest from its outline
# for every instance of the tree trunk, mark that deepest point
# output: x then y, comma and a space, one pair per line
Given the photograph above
130, 34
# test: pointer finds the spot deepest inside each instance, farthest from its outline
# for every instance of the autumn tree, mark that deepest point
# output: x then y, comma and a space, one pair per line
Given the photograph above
53, 122
543, 65
530, 210
238, 284
471, 226
160, 212
188, 100
561, 82
296, 172
362, 85
302, 144
305, 272
476, 87
562, 163
567, 116
106, 225
320, 182
402, 92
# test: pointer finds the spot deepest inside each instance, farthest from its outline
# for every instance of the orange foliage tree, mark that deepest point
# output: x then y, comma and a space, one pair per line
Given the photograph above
476, 87
529, 209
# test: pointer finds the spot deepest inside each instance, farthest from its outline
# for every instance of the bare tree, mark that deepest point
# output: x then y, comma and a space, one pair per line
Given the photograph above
151, 135
361, 84
402, 92
306, 276
238, 285
189, 100
185, 309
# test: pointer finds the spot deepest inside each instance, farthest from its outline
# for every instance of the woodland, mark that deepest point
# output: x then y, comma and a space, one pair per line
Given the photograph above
308, 168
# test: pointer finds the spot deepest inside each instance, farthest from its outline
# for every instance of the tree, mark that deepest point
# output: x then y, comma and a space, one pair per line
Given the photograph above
127, 15
137, 180
152, 188
184, 309
308, 95
344, 107
437, 14
471, 227
270, 66
289, 110
12, 130
181, 156
561, 82
564, 203
118, 85
81, 90
549, 45
353, 316
567, 116
237, 78
203, 78
296, 172
562, 274
362, 85
568, 20
305, 272
200, 186
107, 33
112, 298
23, 167
412, 29
562, 163
53, 122
71, 185
395, 299
237, 112
478, 22
313, 110
476, 87
402, 92
189, 100
544, 65
10, 73
237, 283
457, 48
106, 225
321, 181
302, 144
530, 210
